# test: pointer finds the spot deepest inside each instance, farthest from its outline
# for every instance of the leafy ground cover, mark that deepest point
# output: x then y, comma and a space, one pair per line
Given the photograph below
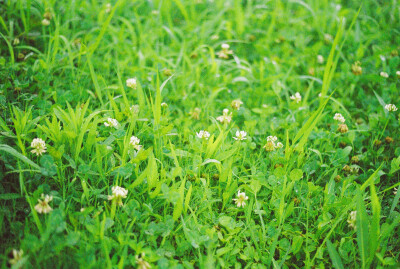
199, 134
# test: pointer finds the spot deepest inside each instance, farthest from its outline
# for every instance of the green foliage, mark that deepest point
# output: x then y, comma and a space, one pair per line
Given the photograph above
327, 198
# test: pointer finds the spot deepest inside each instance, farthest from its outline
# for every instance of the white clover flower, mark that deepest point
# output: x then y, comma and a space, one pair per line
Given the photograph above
320, 59
163, 104
17, 256
142, 264
398, 74
384, 74
39, 146
117, 194
45, 22
383, 58
352, 219
236, 104
225, 52
271, 145
131, 83
272, 138
111, 123
108, 8
240, 135
135, 142
339, 117
226, 116
279, 145
214, 37
135, 109
43, 206
241, 199
391, 107
203, 134
296, 97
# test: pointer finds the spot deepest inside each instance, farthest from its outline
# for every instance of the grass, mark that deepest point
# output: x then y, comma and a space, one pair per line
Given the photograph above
326, 198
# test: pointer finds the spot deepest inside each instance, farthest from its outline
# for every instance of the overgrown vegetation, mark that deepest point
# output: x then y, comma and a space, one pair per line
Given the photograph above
199, 134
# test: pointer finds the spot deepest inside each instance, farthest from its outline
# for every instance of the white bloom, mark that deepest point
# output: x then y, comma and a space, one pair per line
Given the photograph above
214, 37
163, 104
135, 142
390, 107
383, 58
39, 146
236, 104
45, 22
320, 59
352, 219
272, 138
398, 73
135, 109
271, 145
17, 256
111, 123
279, 145
240, 135
241, 199
203, 134
108, 8
384, 74
131, 83
117, 194
296, 97
395, 191
225, 46
43, 204
226, 116
339, 118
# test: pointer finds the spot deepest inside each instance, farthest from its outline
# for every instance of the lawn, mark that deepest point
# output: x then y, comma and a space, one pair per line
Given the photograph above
199, 134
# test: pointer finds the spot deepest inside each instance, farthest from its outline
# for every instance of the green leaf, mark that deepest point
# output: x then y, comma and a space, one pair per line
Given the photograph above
296, 174
362, 229
336, 261
18, 155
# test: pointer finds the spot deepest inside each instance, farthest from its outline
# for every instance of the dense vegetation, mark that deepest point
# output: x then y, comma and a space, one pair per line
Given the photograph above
199, 134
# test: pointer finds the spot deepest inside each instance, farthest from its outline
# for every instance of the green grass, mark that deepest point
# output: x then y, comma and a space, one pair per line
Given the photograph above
61, 82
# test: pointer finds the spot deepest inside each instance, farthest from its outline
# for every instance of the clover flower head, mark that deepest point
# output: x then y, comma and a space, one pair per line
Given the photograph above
226, 116
279, 145
241, 199
225, 52
117, 194
17, 256
384, 74
140, 261
320, 59
339, 117
398, 74
203, 134
45, 22
271, 144
352, 219
43, 206
108, 8
111, 123
39, 146
163, 104
135, 109
272, 138
131, 83
240, 135
343, 128
236, 104
356, 68
135, 142
391, 107
296, 97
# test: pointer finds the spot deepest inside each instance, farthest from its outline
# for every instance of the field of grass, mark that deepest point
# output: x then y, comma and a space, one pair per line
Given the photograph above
199, 134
